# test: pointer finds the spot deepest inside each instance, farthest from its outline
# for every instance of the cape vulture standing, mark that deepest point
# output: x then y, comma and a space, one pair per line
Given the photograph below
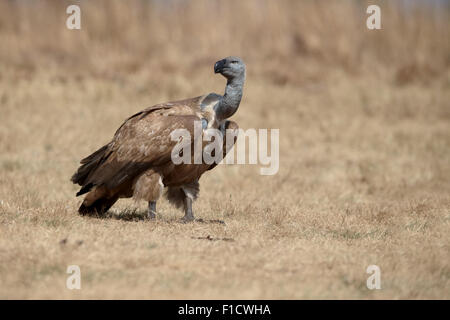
137, 162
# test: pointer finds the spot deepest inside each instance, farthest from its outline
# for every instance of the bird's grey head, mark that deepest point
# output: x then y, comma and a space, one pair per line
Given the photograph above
230, 68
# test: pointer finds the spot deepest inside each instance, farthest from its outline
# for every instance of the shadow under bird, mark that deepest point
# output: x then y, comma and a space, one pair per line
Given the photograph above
137, 162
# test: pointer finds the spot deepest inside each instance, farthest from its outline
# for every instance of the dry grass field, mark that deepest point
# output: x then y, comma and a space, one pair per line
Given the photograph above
364, 178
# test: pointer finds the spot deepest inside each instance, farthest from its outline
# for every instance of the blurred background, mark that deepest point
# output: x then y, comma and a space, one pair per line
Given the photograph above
364, 119
292, 42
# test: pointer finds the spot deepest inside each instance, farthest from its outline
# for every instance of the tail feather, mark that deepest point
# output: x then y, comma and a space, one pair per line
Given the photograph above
85, 189
88, 165
98, 207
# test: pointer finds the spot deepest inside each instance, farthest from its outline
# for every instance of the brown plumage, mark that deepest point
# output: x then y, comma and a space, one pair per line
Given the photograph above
137, 162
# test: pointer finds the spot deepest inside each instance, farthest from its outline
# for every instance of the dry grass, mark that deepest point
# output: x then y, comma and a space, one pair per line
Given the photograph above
364, 121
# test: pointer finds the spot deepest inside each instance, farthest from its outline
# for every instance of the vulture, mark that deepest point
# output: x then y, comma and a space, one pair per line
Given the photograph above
137, 162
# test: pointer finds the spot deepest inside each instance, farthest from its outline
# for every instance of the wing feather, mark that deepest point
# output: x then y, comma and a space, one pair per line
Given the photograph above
139, 145
141, 142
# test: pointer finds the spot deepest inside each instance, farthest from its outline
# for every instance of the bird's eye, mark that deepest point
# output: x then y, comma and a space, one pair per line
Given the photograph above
234, 61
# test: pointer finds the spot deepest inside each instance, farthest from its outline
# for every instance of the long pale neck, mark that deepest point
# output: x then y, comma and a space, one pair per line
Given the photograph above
229, 104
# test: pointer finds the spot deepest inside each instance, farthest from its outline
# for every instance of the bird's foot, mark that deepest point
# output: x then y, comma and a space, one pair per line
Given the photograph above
187, 218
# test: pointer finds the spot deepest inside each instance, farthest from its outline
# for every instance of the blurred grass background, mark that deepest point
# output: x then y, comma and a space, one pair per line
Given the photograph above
292, 42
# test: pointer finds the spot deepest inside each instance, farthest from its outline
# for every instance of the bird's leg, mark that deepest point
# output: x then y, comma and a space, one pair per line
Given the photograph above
188, 215
151, 213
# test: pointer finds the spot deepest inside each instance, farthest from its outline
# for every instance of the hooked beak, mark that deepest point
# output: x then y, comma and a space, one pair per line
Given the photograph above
218, 67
